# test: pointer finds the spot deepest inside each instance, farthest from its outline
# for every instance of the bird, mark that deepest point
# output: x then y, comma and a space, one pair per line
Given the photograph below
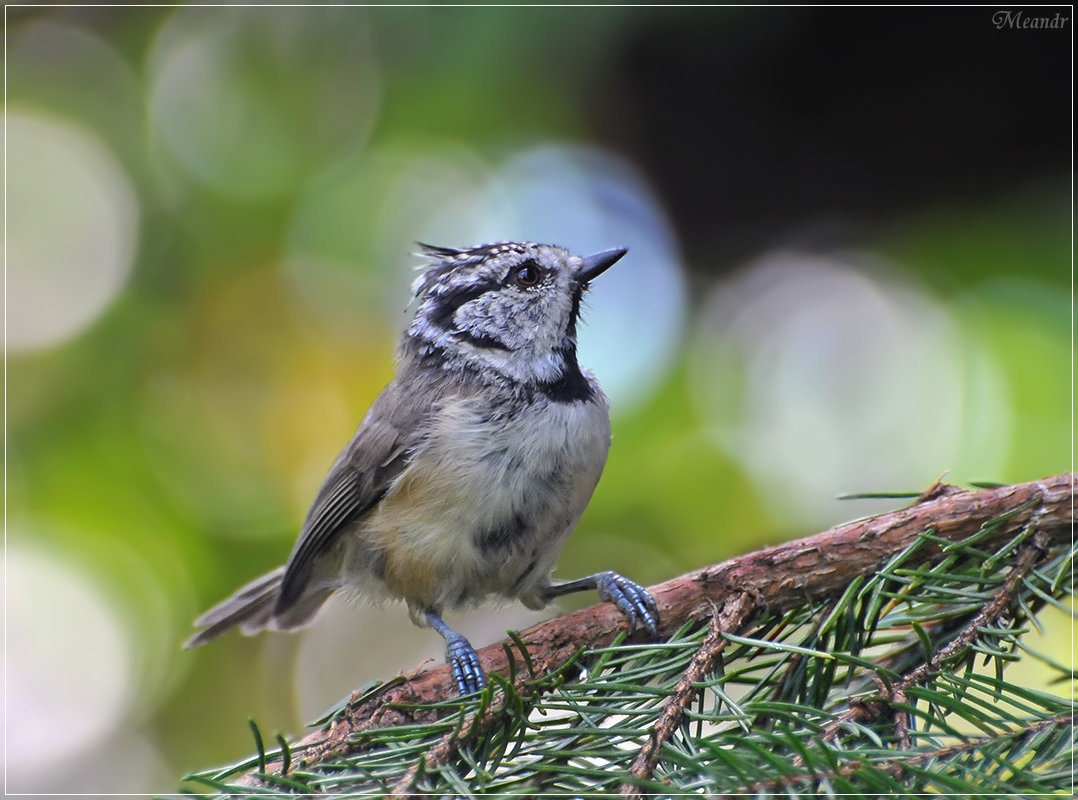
472, 467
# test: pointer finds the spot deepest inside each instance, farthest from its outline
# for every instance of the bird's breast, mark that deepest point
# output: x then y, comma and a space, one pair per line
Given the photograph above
488, 501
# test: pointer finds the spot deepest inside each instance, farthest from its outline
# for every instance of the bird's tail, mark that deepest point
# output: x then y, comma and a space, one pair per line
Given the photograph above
253, 608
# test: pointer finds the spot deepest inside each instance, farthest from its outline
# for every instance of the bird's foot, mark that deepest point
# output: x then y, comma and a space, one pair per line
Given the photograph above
462, 657
632, 599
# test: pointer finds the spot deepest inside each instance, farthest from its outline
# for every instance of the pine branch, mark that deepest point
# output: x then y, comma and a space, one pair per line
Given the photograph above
731, 618
897, 768
774, 589
1030, 553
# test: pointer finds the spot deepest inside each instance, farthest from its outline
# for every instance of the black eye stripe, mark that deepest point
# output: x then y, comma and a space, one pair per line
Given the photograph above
442, 315
482, 342
448, 303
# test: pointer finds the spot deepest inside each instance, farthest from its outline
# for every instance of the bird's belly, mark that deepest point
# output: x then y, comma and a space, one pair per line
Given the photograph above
485, 509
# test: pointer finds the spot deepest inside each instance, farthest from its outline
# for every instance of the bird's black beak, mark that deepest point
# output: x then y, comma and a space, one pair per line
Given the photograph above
596, 265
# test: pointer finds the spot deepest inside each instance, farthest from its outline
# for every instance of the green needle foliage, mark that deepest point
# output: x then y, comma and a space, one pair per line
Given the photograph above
897, 687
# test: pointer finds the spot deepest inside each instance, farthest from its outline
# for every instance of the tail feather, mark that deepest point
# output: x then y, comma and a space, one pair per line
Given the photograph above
252, 608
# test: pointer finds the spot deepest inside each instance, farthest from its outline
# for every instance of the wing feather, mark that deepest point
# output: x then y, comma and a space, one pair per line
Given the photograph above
382, 449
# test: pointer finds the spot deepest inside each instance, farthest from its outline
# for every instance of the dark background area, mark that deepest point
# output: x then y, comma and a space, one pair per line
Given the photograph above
750, 121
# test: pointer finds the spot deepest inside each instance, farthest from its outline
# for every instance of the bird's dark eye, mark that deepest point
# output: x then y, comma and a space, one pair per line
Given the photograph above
526, 275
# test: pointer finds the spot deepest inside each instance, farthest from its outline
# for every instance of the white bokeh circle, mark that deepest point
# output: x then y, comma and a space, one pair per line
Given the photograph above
72, 228
831, 374
69, 665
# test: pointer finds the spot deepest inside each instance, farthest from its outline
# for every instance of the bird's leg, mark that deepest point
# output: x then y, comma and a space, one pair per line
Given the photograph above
460, 655
632, 599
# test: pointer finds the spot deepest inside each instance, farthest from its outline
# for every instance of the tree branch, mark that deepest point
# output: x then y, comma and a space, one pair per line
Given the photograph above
771, 581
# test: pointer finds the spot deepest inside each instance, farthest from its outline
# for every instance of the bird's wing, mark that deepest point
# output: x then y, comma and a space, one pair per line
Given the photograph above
381, 450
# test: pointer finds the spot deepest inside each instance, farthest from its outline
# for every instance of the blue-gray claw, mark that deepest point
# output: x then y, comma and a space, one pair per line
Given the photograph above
465, 663
632, 599
460, 654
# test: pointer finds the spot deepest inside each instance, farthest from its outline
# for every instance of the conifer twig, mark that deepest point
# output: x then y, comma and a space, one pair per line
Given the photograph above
897, 767
739, 607
1029, 556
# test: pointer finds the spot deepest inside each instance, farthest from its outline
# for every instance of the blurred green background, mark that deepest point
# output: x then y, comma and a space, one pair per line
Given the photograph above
849, 270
